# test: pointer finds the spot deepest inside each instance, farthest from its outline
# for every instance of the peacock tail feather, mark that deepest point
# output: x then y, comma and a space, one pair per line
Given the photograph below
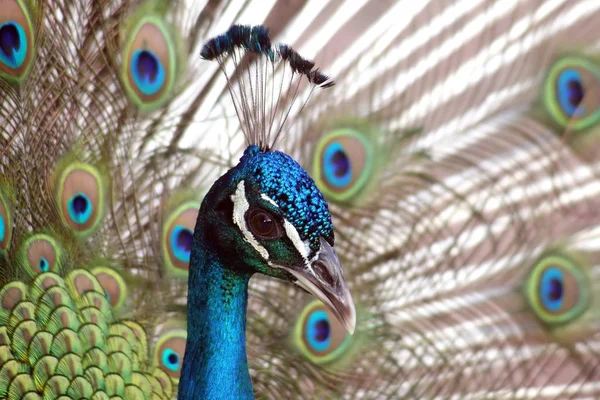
457, 152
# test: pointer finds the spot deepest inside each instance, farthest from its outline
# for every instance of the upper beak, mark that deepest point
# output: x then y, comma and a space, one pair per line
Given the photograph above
324, 278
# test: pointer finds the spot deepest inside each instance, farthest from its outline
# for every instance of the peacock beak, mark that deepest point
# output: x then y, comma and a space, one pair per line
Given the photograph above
324, 278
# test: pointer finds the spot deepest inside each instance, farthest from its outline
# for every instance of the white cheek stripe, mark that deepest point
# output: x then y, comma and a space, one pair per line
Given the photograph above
240, 206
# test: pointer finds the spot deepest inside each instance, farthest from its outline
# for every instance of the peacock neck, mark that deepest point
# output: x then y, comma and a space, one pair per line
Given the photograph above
215, 365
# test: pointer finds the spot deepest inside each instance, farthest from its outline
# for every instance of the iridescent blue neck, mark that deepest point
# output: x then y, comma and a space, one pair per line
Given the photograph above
215, 365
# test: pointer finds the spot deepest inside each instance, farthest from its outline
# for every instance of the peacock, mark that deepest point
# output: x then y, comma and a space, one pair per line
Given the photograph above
454, 162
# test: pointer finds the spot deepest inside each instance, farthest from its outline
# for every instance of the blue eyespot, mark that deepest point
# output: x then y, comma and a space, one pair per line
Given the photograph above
181, 242
80, 208
148, 72
336, 165
2, 228
170, 359
571, 92
318, 331
13, 44
43, 264
107, 295
552, 289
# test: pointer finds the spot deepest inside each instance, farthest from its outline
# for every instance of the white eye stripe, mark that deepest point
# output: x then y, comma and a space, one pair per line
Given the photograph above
292, 233
270, 200
240, 206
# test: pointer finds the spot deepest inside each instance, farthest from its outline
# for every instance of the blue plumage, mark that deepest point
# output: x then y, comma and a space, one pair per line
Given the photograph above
228, 249
282, 179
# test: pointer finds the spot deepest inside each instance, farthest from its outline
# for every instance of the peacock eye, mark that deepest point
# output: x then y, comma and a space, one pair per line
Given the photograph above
570, 92
169, 352
557, 289
319, 335
262, 224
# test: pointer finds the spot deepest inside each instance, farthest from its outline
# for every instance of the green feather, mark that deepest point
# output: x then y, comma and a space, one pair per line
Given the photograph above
21, 339
43, 370
66, 343
115, 385
20, 386
69, 365
114, 286
8, 372
40, 346
80, 388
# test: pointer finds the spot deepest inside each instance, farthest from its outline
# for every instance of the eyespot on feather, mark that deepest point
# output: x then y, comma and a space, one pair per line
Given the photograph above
80, 194
177, 238
319, 336
113, 284
11, 294
16, 40
557, 290
343, 164
40, 253
6, 225
169, 352
81, 282
571, 93
150, 61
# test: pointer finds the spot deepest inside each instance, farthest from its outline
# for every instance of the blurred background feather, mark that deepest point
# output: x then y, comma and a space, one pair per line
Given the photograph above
458, 153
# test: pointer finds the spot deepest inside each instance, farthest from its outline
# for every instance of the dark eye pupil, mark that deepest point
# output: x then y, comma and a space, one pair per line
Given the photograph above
173, 359
43, 264
576, 92
148, 66
322, 330
262, 224
341, 163
9, 39
185, 239
556, 289
80, 204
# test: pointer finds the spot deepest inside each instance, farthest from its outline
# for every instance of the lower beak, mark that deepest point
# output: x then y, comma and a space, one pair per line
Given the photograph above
324, 278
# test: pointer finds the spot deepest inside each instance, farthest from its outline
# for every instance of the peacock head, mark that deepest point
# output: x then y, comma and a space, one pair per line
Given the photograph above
266, 215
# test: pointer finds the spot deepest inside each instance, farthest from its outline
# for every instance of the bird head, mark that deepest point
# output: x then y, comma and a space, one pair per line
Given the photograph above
267, 216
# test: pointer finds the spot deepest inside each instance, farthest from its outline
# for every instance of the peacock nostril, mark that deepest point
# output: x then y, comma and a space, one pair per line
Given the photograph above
322, 272
10, 41
147, 66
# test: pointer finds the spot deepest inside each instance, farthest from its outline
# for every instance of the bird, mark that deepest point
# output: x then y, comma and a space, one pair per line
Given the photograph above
456, 153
